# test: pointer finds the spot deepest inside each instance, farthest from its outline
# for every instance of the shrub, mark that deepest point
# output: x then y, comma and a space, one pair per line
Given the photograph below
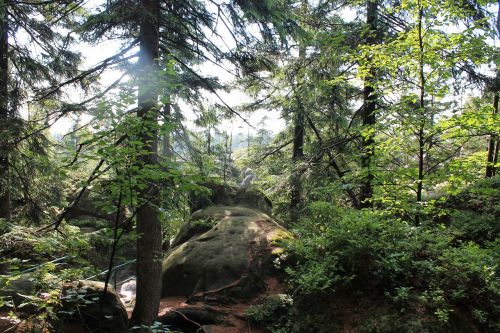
417, 270
274, 313
474, 214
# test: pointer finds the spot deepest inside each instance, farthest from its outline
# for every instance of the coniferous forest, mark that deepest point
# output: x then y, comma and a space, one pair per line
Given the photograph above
217, 166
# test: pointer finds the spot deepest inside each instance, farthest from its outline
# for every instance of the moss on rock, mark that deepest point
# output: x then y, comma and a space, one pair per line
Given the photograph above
224, 250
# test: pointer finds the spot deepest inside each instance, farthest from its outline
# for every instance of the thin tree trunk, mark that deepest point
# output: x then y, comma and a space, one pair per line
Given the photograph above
4, 113
492, 144
209, 141
495, 158
224, 167
421, 139
149, 243
248, 142
494, 138
297, 157
167, 152
298, 139
368, 111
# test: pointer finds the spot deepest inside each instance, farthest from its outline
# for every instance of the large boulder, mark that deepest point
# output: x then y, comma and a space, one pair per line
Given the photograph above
224, 251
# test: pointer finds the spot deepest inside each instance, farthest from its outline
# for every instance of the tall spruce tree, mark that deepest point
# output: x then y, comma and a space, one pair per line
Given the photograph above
4, 113
34, 55
298, 126
149, 243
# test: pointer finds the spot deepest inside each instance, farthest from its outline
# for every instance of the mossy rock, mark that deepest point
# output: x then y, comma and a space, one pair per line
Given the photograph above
16, 291
229, 255
81, 304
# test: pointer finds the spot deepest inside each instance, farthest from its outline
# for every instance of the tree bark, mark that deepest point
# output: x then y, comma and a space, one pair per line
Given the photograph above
167, 151
422, 113
368, 111
149, 243
297, 157
495, 157
4, 113
298, 138
493, 144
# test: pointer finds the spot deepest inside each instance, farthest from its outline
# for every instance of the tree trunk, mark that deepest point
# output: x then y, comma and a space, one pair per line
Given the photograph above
368, 112
422, 113
225, 154
494, 141
209, 141
495, 157
297, 157
298, 138
167, 151
4, 113
493, 144
149, 243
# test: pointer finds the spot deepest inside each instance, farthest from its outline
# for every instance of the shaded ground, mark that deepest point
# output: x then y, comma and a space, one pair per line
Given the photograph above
211, 316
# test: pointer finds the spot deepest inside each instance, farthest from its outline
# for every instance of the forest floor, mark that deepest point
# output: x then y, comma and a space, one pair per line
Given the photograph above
231, 316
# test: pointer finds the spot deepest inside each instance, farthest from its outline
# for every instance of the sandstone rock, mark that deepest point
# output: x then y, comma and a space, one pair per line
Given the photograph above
223, 251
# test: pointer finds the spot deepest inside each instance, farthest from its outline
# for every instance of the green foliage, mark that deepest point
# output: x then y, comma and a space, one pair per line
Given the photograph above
309, 60
473, 213
26, 242
36, 263
204, 223
474, 226
274, 313
421, 270
157, 327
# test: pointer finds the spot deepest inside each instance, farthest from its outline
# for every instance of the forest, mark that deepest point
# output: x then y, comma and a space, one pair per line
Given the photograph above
265, 166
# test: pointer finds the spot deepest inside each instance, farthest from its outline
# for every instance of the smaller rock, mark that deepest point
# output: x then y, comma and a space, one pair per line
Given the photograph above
191, 318
81, 302
15, 291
